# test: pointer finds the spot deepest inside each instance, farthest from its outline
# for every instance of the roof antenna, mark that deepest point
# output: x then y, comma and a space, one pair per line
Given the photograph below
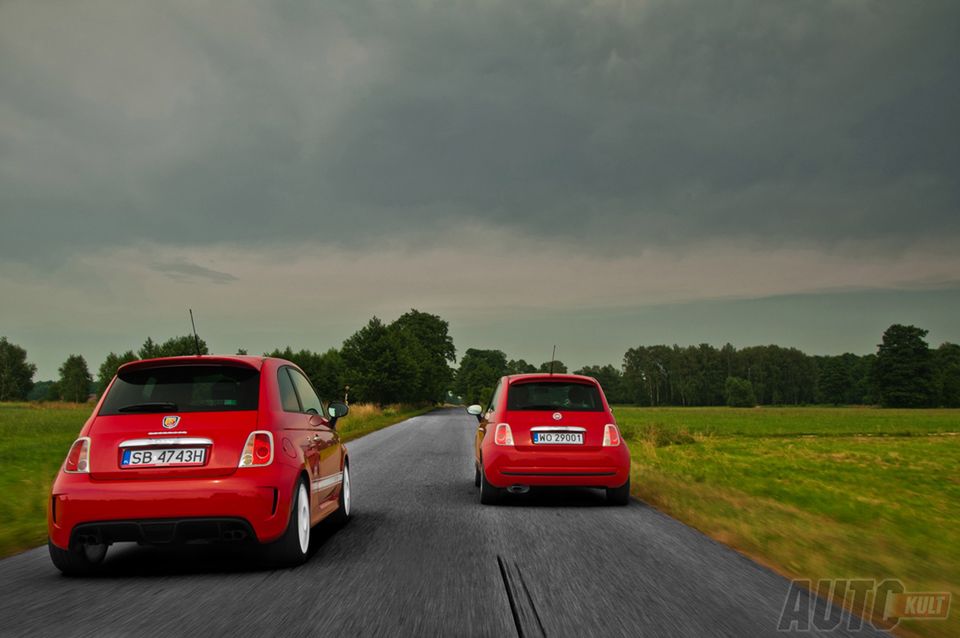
553, 358
196, 339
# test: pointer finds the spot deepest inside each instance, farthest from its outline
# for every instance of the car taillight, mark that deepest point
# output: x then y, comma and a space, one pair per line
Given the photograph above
258, 449
78, 458
611, 435
503, 435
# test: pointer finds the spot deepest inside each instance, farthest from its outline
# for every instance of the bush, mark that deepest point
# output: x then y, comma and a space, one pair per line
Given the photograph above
739, 393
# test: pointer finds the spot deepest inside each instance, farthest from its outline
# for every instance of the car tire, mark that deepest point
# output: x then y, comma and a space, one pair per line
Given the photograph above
342, 515
476, 475
293, 547
489, 495
619, 495
79, 560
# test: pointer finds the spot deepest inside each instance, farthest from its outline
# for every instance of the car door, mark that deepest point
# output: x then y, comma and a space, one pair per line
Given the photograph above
296, 425
489, 416
325, 440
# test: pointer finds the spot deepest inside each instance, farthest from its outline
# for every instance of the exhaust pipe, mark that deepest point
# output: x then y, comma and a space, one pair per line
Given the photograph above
518, 489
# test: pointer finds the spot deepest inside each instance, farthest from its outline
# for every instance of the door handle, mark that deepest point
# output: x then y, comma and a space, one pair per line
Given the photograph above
317, 438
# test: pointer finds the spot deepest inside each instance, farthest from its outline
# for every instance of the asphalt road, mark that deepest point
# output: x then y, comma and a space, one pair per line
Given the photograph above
421, 557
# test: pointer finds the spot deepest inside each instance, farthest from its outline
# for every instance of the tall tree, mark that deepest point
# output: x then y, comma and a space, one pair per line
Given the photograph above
325, 370
519, 366
947, 359
172, 347
610, 380
835, 380
433, 350
555, 366
904, 368
75, 379
109, 368
380, 366
478, 374
16, 375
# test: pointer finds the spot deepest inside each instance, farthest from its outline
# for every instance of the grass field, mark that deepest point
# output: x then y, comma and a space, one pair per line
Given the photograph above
813, 492
34, 439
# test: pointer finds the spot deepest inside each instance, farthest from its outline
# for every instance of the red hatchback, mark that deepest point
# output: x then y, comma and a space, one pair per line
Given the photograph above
205, 448
549, 430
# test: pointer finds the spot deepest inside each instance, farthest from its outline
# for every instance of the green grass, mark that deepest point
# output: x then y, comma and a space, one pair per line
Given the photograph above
33, 442
813, 492
366, 418
818, 421
34, 439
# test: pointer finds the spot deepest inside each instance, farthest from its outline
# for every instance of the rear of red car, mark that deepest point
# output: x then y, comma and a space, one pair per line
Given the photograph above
551, 430
176, 451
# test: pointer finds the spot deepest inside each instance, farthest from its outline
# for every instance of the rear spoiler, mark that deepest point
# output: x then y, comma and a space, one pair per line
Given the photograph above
254, 363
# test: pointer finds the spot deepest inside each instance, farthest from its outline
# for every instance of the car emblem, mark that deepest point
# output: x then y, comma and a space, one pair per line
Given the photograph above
171, 422
557, 416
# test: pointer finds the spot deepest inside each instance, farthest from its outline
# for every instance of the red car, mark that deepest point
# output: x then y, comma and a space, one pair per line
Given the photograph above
204, 448
549, 430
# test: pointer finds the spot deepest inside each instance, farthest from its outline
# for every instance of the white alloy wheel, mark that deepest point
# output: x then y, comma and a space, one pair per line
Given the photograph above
346, 490
303, 518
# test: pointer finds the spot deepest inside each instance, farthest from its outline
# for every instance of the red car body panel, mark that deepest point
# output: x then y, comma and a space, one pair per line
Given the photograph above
304, 445
524, 463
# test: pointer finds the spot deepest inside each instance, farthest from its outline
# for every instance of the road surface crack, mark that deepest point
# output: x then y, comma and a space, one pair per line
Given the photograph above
525, 615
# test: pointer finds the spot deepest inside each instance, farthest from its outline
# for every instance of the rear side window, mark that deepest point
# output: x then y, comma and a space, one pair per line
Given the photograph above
554, 395
288, 396
308, 397
192, 388
495, 399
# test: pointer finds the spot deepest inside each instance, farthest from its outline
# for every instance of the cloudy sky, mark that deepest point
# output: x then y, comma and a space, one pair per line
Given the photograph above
592, 174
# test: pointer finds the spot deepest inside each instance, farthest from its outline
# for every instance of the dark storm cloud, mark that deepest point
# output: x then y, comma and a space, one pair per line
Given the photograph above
186, 271
617, 124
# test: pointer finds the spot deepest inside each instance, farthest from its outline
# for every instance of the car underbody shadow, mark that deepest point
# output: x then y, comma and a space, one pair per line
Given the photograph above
130, 560
556, 497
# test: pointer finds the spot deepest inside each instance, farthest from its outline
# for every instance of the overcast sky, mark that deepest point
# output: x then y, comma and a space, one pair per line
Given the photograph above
593, 174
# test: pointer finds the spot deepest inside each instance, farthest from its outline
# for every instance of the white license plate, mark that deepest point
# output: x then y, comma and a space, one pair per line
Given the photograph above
163, 457
558, 438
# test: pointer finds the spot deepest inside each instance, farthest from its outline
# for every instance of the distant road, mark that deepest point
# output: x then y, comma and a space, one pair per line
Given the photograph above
421, 558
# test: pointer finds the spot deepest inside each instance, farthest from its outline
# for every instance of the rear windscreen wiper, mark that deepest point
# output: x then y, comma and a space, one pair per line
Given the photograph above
147, 407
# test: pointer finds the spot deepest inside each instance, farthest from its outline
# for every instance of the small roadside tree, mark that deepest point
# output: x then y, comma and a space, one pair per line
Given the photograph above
75, 379
16, 375
109, 368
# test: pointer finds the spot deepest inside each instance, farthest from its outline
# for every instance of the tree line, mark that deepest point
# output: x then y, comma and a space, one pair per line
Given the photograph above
904, 372
410, 361
406, 361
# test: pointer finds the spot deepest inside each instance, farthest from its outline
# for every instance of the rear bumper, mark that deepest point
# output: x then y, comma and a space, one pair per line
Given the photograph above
606, 467
164, 531
145, 510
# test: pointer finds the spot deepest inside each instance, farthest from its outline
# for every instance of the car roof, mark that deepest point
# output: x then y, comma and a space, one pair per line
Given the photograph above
546, 376
206, 359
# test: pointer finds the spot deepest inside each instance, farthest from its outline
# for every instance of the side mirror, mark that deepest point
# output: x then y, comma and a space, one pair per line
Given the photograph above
337, 410
475, 410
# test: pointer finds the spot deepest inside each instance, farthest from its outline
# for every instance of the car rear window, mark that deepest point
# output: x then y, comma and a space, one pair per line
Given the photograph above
183, 389
554, 395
